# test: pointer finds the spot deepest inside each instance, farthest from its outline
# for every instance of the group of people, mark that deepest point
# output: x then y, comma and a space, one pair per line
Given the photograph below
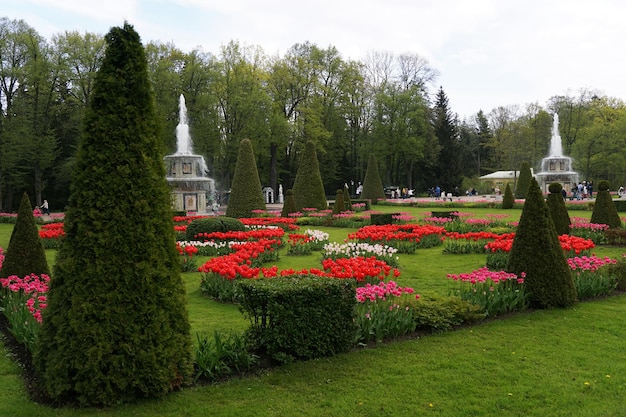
43, 209
582, 190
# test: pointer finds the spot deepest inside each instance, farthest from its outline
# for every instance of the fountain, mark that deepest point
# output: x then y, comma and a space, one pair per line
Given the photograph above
186, 172
556, 167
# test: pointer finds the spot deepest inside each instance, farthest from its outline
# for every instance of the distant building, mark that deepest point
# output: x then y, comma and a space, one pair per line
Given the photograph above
501, 178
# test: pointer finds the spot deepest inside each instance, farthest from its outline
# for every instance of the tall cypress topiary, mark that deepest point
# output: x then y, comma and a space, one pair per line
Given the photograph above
290, 204
558, 211
523, 181
25, 254
308, 189
604, 210
508, 201
116, 327
537, 252
339, 206
346, 198
372, 185
245, 191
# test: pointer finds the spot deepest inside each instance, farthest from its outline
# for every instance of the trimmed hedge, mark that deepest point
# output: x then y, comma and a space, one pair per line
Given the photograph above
558, 211
372, 185
523, 182
25, 254
537, 252
308, 188
299, 317
246, 194
604, 210
508, 201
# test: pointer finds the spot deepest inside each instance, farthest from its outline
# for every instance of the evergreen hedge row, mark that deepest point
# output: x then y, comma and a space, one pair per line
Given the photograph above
300, 317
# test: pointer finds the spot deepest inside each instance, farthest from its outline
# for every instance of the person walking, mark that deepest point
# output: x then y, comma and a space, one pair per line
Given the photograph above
45, 208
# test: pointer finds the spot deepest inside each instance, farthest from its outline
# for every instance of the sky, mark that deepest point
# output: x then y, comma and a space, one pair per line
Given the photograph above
488, 53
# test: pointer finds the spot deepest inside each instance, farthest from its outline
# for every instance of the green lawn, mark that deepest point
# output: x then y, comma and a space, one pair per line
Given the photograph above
540, 363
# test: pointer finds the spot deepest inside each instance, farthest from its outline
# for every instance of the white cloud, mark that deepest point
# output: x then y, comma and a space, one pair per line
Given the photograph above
489, 52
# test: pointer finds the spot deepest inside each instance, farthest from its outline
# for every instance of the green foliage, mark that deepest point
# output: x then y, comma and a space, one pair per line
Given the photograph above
221, 357
603, 185
289, 206
339, 206
245, 191
372, 185
381, 218
437, 314
308, 189
604, 211
558, 211
524, 180
536, 251
299, 317
25, 253
346, 199
116, 327
508, 201
198, 227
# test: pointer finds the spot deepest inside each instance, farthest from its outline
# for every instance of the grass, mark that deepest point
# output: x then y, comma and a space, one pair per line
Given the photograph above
555, 362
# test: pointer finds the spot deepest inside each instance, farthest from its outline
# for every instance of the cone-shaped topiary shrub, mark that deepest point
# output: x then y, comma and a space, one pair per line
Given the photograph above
537, 252
198, 227
508, 201
116, 327
604, 210
372, 185
245, 191
523, 181
339, 206
346, 199
290, 204
308, 188
558, 211
25, 254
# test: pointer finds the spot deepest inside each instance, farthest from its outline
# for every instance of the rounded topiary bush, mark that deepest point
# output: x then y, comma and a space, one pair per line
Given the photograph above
211, 225
555, 187
558, 211
603, 185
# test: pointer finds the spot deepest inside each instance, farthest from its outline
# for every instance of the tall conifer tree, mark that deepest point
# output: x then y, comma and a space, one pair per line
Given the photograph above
245, 191
116, 328
537, 252
523, 181
372, 184
308, 188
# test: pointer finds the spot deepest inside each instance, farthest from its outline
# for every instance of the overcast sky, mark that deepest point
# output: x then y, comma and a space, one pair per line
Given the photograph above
488, 53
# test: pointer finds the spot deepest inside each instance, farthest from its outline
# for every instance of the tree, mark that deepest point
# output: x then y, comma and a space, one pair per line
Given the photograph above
604, 210
290, 204
558, 211
508, 201
308, 189
446, 131
372, 185
116, 327
25, 254
245, 191
524, 180
537, 252
339, 206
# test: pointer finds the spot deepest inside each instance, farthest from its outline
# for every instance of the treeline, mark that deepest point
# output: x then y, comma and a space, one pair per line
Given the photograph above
387, 105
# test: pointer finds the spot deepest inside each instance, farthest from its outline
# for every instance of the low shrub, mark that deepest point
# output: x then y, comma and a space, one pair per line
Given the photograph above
299, 317
221, 357
438, 314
